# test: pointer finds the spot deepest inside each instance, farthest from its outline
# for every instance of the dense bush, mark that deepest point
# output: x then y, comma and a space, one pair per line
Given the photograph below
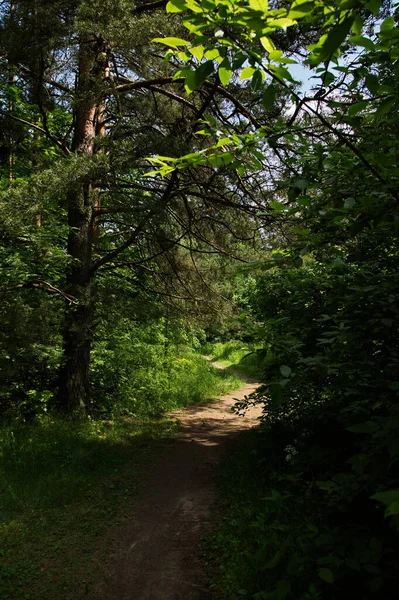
328, 451
145, 369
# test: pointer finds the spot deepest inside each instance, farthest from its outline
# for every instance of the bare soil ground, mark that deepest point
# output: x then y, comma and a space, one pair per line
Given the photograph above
157, 555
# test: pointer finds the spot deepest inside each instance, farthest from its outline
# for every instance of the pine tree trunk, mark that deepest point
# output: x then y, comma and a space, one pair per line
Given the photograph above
74, 386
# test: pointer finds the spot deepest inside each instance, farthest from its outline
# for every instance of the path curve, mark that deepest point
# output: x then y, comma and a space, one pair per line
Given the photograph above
159, 552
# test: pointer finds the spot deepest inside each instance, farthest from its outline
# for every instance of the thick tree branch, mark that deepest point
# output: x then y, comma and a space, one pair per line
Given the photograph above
41, 285
58, 143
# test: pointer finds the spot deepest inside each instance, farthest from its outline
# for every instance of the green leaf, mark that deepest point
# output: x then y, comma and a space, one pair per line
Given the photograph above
366, 427
358, 23
269, 96
300, 8
213, 54
282, 23
372, 83
257, 79
277, 205
388, 24
335, 38
258, 5
281, 72
391, 499
196, 78
360, 40
349, 203
171, 42
374, 6
357, 107
278, 56
285, 371
388, 497
197, 52
247, 73
225, 72
326, 575
176, 6
267, 44
221, 160
385, 107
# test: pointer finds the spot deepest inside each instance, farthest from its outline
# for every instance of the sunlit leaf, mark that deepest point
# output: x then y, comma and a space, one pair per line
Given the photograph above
172, 42
225, 71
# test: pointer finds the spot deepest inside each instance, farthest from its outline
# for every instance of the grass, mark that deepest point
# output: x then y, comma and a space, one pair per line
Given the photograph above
233, 544
235, 356
64, 485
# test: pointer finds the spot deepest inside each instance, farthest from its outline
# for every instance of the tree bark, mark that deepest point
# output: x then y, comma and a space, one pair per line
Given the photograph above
74, 385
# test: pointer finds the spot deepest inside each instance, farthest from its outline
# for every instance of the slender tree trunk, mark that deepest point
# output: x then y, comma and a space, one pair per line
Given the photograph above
11, 108
74, 386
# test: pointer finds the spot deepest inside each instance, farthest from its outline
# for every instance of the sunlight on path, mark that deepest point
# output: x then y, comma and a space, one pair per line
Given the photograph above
157, 555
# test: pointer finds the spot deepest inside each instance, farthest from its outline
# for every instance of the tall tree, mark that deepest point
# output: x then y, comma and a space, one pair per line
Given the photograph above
97, 97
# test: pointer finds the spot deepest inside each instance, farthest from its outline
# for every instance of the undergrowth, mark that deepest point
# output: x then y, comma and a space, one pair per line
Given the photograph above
63, 484
282, 533
236, 356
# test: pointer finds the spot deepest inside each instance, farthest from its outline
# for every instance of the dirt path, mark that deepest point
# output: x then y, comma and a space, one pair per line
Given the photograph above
159, 552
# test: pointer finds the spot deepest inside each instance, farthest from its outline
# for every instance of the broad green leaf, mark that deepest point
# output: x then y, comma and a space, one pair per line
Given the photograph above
258, 5
221, 160
225, 71
223, 142
387, 497
282, 23
267, 44
176, 6
300, 8
278, 56
194, 6
372, 83
269, 96
385, 107
196, 78
349, 203
357, 25
197, 52
281, 72
171, 42
374, 6
360, 40
184, 56
182, 73
285, 371
257, 79
357, 107
301, 184
366, 427
335, 38
326, 575
247, 73
214, 54
327, 78
239, 60
388, 24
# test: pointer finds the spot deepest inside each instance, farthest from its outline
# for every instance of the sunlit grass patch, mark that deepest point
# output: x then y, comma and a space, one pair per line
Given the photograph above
236, 355
62, 485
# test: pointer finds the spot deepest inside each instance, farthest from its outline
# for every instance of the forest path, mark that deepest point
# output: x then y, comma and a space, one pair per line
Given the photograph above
158, 551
